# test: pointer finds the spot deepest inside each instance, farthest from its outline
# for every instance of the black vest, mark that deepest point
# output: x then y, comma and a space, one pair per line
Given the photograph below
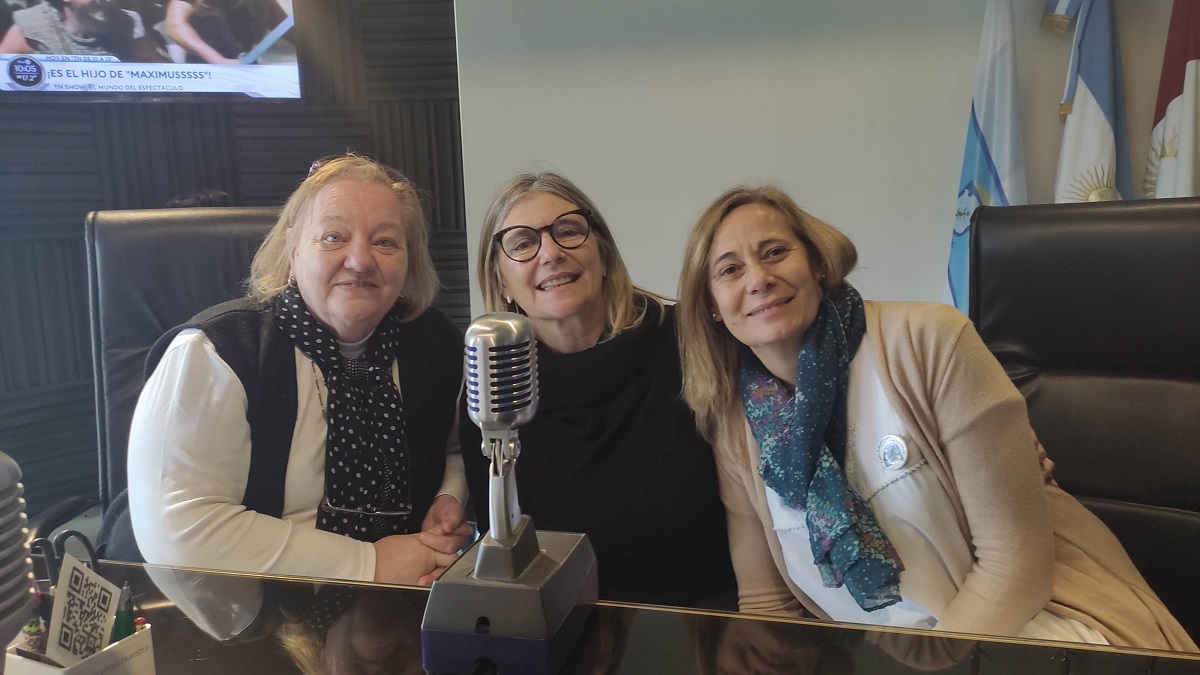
246, 336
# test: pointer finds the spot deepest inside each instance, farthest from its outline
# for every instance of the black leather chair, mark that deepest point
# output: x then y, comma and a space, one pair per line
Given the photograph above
1093, 311
149, 271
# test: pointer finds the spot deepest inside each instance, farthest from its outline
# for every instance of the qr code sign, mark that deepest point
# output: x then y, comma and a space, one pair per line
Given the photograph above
88, 606
84, 607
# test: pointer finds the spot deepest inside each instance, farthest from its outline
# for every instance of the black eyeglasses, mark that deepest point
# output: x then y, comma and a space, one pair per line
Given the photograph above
403, 508
329, 507
569, 230
393, 174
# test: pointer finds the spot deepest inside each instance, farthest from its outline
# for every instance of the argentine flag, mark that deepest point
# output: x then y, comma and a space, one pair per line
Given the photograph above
1093, 164
993, 170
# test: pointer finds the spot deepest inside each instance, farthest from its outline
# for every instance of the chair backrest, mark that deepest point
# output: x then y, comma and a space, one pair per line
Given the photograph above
149, 271
1092, 311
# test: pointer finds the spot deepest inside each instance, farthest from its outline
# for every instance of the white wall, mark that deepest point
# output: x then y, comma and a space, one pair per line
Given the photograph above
857, 107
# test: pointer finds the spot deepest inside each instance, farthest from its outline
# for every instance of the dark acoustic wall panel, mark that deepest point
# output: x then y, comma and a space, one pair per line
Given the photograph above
408, 50
51, 432
48, 170
43, 335
277, 144
449, 251
48, 176
422, 139
377, 77
151, 153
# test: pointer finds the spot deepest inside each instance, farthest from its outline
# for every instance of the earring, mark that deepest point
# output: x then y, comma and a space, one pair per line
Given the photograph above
291, 281
508, 299
715, 317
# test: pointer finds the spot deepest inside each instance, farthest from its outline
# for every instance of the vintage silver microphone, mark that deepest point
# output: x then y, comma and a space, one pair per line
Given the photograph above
518, 599
502, 394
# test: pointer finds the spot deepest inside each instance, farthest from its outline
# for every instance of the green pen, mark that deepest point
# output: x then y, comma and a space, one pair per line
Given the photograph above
123, 625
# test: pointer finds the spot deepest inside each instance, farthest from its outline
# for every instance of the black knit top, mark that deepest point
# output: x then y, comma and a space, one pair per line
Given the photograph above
613, 452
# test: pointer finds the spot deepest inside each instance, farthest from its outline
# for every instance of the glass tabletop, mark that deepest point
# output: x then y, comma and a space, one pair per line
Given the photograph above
225, 623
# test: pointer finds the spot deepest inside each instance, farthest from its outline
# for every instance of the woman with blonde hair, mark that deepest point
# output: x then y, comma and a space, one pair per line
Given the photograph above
613, 451
308, 429
876, 463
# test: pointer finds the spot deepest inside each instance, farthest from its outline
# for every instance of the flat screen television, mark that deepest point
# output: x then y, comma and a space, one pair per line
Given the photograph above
148, 49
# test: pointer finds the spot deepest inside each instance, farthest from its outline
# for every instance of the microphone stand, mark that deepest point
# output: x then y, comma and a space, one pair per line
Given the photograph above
518, 599
511, 543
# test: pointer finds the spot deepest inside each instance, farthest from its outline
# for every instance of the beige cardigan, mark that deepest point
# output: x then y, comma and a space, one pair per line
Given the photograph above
1034, 546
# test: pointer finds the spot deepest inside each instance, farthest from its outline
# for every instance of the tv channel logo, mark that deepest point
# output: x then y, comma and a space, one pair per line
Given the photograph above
26, 72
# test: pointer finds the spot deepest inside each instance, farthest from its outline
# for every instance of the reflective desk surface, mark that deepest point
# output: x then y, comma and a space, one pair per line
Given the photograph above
209, 622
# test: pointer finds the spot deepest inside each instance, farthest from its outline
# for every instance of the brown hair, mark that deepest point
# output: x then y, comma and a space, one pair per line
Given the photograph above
708, 351
271, 267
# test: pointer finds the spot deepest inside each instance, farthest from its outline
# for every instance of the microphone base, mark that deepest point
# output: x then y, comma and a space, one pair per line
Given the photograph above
526, 624
506, 559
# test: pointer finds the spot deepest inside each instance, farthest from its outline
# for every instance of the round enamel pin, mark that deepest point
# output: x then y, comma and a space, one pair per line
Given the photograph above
893, 452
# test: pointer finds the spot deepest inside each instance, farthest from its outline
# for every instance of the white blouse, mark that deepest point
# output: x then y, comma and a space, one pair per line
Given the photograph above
189, 458
914, 511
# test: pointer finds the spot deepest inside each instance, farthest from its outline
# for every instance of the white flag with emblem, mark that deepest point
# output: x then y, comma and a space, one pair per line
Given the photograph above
993, 168
1173, 169
1093, 163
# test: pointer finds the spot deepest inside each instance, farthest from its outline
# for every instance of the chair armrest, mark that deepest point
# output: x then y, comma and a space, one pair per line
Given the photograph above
46, 520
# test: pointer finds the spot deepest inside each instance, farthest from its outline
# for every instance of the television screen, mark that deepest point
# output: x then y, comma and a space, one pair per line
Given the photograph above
158, 48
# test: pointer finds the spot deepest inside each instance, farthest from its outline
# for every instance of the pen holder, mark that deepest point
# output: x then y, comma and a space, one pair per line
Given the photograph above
133, 655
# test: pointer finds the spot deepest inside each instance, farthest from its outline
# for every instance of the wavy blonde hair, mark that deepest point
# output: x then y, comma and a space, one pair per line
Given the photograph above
624, 304
272, 263
708, 351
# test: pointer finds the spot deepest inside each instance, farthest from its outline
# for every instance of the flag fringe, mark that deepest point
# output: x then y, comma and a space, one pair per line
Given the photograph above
1059, 23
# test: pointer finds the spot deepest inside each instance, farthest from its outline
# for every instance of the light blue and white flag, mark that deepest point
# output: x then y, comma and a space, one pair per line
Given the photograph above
993, 170
1093, 164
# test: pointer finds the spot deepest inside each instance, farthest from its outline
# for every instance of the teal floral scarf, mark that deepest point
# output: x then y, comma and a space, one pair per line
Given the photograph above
802, 440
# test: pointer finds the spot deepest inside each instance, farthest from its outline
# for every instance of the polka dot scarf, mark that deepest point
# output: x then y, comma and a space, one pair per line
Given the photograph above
366, 454
802, 439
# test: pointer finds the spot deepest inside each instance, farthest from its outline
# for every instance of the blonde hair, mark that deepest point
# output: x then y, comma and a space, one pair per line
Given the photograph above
271, 267
708, 351
624, 304
304, 646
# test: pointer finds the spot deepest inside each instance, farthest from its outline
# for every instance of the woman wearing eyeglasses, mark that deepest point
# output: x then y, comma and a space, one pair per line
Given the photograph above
612, 451
308, 429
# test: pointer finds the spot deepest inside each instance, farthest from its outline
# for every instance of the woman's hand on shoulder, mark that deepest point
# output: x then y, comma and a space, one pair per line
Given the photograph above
1044, 461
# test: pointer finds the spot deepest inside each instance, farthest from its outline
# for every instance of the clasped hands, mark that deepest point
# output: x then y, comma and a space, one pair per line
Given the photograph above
419, 558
